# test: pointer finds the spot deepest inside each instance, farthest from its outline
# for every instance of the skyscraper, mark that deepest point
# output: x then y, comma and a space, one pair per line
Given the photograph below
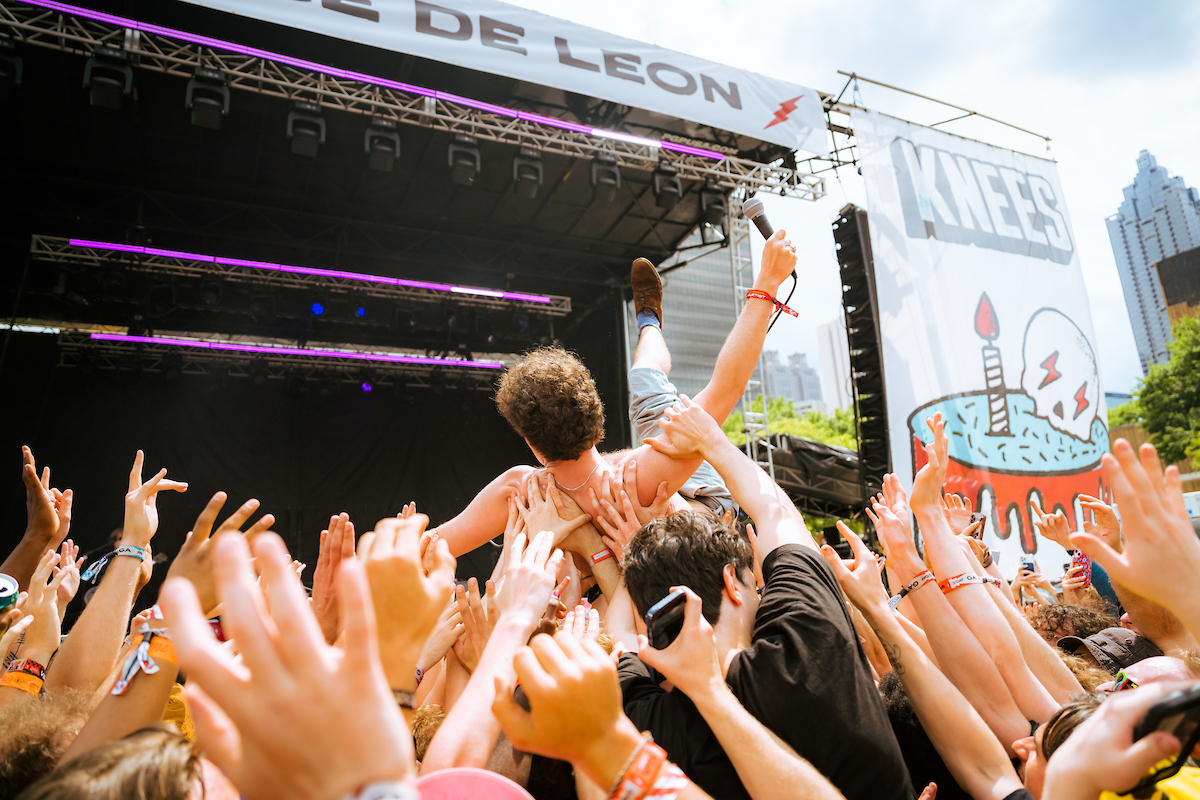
795, 380
835, 362
1159, 217
698, 306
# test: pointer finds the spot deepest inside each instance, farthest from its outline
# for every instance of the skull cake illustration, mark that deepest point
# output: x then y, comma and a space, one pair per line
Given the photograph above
1043, 441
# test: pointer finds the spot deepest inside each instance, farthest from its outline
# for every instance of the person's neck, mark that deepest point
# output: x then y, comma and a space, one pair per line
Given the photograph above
576, 474
730, 640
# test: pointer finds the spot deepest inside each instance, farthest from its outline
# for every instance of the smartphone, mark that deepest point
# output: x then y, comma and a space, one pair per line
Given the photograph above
1178, 714
1081, 558
982, 520
1026, 562
664, 620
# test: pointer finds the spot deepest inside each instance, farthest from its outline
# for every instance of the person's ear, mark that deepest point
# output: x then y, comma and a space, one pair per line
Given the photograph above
733, 587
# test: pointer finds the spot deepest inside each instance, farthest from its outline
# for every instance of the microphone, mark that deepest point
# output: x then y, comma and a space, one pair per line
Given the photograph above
752, 210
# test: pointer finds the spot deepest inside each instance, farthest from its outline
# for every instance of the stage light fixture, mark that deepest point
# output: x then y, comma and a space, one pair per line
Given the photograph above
520, 321
11, 65
527, 172
317, 308
713, 204
137, 327
464, 159
381, 143
68, 295
108, 77
207, 97
306, 128
606, 178
210, 291
667, 188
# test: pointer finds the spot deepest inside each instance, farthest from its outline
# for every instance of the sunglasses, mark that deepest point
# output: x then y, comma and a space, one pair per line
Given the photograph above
1123, 682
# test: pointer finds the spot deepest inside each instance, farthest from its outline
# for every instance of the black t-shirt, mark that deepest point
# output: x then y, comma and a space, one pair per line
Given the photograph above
804, 676
1020, 794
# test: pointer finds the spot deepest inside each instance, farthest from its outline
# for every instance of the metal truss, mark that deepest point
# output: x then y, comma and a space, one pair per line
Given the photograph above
77, 349
58, 250
755, 424
148, 50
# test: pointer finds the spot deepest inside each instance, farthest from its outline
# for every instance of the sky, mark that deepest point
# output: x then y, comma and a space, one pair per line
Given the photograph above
1102, 79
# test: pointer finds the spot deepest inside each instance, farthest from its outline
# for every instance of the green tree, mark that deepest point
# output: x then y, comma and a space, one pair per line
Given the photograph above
1128, 413
836, 428
1169, 396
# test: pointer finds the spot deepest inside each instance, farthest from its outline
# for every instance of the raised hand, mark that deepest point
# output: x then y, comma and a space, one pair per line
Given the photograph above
543, 509
408, 599
69, 562
48, 510
860, 578
1161, 558
41, 603
410, 509
195, 558
927, 486
617, 517
337, 545
1053, 526
690, 430
583, 622
1102, 522
958, 511
529, 579
575, 709
896, 538
141, 504
477, 626
778, 262
445, 633
690, 662
346, 732
1074, 585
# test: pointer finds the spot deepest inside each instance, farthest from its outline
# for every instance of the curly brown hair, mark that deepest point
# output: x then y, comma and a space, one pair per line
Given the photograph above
549, 397
1061, 620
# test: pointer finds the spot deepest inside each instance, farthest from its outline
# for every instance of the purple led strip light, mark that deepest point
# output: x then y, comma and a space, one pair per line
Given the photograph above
297, 351
312, 66
324, 273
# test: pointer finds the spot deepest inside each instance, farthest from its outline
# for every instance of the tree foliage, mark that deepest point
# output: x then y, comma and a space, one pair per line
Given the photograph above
836, 428
1128, 413
1169, 396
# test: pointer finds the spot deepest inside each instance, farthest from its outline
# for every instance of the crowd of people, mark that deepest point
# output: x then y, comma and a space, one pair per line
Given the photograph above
791, 671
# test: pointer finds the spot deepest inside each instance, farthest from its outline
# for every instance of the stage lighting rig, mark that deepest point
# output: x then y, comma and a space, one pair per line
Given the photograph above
381, 143
108, 77
207, 97
464, 159
11, 65
606, 178
667, 187
306, 128
527, 172
210, 291
713, 205
68, 295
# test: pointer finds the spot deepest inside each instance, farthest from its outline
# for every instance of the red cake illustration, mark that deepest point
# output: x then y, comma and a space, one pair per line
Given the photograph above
1044, 440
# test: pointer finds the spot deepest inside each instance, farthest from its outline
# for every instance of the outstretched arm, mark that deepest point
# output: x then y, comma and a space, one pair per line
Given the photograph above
735, 364
690, 429
972, 754
483, 520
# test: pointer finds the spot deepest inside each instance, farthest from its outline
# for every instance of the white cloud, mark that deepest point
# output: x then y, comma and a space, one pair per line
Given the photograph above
1103, 79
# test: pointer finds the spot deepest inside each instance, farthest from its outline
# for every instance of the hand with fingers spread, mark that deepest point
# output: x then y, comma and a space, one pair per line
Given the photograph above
1053, 526
927, 486
543, 508
195, 557
1100, 520
1161, 558
68, 562
582, 622
529, 579
141, 504
48, 521
292, 716
691, 431
860, 579
408, 600
958, 511
895, 536
477, 627
41, 603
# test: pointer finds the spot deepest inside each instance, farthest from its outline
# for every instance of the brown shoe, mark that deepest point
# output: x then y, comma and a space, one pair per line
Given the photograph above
647, 288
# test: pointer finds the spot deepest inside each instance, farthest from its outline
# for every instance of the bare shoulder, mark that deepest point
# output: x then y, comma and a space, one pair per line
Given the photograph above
618, 457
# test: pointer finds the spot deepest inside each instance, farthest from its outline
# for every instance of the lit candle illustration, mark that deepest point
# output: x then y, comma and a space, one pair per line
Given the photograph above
988, 327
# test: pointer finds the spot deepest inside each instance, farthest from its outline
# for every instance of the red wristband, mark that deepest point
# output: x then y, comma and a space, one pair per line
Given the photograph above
758, 294
603, 554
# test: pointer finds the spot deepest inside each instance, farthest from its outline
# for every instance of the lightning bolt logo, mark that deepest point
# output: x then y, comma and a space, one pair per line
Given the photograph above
1080, 401
785, 108
1052, 373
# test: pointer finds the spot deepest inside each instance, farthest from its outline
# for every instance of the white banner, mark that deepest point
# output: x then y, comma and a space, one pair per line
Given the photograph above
984, 317
502, 39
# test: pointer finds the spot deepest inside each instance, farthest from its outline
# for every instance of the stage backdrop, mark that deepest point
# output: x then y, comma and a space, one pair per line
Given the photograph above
984, 317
